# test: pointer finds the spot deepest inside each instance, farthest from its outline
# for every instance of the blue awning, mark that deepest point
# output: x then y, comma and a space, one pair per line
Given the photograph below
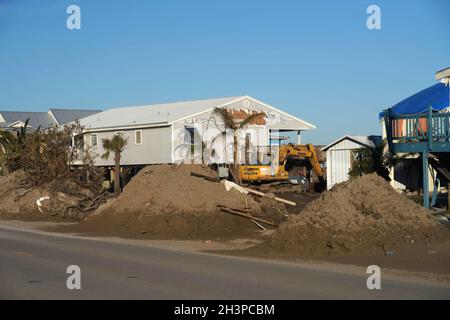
436, 96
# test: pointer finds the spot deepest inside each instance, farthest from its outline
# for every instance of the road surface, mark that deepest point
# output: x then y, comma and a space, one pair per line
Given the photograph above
33, 266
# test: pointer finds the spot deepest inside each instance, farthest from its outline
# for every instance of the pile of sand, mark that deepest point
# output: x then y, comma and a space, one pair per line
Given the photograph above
167, 202
363, 214
171, 189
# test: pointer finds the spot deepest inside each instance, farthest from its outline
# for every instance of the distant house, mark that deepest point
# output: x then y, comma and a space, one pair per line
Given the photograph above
341, 153
12, 120
65, 116
188, 131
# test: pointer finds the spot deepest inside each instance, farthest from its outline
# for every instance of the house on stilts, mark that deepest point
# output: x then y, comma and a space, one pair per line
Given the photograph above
420, 124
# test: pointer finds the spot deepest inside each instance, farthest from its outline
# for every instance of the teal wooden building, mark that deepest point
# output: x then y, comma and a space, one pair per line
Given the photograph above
421, 124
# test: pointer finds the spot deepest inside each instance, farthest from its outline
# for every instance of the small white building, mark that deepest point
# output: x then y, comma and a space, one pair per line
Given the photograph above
340, 155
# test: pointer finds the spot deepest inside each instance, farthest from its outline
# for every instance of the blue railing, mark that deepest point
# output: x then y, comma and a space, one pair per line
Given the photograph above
428, 131
421, 133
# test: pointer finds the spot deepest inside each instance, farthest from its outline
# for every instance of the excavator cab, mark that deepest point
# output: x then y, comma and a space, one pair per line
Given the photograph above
291, 162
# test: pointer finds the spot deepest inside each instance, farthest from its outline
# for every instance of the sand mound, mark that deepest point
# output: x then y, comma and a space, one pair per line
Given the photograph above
167, 202
220, 226
362, 214
170, 189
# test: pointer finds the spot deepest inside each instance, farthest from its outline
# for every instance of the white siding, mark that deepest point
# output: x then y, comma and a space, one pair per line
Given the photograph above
156, 147
338, 166
339, 161
208, 128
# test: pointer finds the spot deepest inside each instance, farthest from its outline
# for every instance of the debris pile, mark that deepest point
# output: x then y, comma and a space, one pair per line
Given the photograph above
363, 214
21, 201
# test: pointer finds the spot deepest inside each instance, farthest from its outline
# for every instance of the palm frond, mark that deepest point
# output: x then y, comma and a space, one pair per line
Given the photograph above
226, 117
251, 118
6, 136
7, 139
106, 155
116, 145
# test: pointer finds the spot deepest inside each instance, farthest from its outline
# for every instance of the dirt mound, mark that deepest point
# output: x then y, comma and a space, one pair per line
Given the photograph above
363, 214
220, 226
167, 202
169, 189
51, 201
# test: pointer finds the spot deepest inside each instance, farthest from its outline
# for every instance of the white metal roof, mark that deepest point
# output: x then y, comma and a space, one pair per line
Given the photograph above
362, 140
163, 114
157, 114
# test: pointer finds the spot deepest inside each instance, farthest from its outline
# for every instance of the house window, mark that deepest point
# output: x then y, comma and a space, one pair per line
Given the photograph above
138, 137
94, 140
78, 142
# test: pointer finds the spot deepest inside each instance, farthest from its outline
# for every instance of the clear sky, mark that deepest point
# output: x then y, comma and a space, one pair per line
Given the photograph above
316, 60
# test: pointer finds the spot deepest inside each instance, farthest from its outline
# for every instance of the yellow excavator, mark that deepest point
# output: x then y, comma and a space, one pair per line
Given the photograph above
293, 161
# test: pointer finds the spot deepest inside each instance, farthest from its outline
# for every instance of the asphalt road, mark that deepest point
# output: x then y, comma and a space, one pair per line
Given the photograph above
33, 266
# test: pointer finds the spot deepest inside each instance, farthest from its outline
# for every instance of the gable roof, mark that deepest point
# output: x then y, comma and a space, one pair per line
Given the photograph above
165, 114
37, 119
157, 114
365, 141
63, 116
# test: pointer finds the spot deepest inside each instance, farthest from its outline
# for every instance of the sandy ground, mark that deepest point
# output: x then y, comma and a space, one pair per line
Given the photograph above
421, 262
428, 259
183, 245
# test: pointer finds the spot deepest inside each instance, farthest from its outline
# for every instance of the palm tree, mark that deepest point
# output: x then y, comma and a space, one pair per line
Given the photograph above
11, 147
379, 160
117, 145
234, 124
6, 146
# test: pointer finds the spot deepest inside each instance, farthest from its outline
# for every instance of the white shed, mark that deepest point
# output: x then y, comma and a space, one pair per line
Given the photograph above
340, 156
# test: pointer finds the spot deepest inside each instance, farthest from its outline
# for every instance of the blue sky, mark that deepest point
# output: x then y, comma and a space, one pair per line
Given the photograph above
315, 60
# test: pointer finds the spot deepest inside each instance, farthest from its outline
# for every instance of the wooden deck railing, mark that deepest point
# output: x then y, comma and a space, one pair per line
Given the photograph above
414, 133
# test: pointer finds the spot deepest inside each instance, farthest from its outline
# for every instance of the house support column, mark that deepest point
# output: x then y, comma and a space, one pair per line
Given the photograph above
299, 137
426, 199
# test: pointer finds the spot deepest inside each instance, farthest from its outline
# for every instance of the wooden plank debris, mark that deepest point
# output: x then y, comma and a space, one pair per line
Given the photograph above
212, 179
239, 212
231, 185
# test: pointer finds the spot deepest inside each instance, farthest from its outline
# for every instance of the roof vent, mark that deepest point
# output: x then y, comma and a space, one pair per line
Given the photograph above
443, 75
